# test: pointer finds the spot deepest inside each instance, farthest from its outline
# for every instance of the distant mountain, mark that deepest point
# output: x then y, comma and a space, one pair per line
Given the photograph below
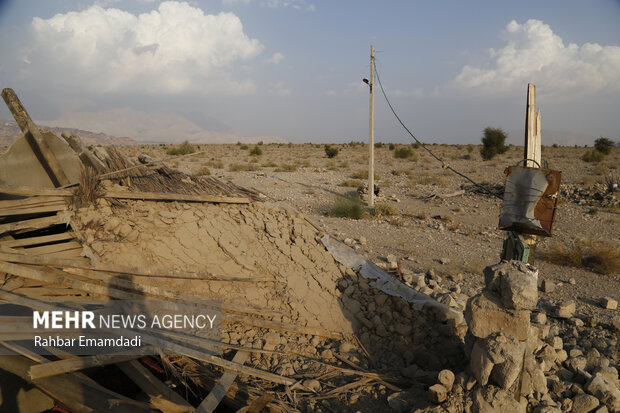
9, 131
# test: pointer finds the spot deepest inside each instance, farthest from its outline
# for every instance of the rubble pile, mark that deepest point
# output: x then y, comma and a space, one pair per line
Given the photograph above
597, 195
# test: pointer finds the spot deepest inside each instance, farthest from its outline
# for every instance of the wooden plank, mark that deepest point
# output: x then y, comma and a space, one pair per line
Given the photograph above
30, 202
18, 257
34, 210
77, 394
57, 277
154, 388
44, 239
214, 398
260, 403
55, 368
35, 139
159, 196
54, 248
31, 224
30, 191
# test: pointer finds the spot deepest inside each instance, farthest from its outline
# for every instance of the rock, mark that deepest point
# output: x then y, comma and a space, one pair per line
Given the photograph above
480, 363
577, 322
491, 400
144, 158
539, 318
346, 347
391, 259
548, 286
313, 385
605, 390
438, 393
272, 339
349, 241
572, 281
518, 287
446, 379
556, 342
565, 309
584, 403
609, 303
485, 316
397, 402
362, 240
576, 363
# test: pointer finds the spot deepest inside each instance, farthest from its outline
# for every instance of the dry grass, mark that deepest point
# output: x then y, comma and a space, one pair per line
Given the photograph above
384, 210
89, 190
236, 167
596, 256
351, 183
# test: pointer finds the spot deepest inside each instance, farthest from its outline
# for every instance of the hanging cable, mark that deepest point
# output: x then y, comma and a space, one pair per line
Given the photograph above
443, 164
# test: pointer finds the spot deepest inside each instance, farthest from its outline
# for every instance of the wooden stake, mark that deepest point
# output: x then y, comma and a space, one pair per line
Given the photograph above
532, 147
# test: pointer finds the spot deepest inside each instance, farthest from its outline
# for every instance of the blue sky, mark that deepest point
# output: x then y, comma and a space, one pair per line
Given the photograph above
292, 69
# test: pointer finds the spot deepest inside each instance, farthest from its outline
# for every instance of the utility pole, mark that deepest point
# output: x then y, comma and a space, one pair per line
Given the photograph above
371, 132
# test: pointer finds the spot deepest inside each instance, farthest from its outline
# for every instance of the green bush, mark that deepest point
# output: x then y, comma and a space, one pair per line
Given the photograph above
330, 151
593, 155
182, 149
416, 145
348, 205
391, 146
256, 151
378, 145
603, 145
403, 152
493, 143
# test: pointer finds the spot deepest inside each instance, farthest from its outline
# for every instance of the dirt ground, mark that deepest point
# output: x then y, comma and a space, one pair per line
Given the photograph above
451, 236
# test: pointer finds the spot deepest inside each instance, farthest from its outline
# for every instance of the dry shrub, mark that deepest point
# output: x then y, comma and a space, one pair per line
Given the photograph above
348, 205
384, 210
286, 168
89, 190
351, 183
597, 256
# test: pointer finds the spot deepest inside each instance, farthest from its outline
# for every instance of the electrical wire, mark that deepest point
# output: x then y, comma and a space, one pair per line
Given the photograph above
443, 164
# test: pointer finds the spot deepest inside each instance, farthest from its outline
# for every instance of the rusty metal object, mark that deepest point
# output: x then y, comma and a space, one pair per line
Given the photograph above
530, 200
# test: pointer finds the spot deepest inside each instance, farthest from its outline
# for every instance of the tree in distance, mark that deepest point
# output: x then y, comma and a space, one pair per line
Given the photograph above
330, 151
603, 145
493, 143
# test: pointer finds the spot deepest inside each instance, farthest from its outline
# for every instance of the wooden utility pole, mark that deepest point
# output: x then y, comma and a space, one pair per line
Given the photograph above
532, 150
371, 132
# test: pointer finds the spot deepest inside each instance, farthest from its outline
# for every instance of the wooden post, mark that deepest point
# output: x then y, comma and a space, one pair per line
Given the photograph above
39, 146
371, 132
532, 150
532, 147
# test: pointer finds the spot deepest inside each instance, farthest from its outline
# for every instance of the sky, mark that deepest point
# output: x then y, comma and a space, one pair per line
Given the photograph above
292, 70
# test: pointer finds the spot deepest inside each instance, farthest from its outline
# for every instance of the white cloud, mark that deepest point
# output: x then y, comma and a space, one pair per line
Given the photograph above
533, 53
276, 58
235, 1
295, 4
176, 48
281, 89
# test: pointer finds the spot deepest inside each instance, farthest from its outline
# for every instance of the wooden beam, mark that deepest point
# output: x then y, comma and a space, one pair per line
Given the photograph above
532, 147
214, 398
44, 239
87, 158
30, 191
55, 207
161, 196
77, 394
55, 368
154, 388
38, 144
31, 224
32, 201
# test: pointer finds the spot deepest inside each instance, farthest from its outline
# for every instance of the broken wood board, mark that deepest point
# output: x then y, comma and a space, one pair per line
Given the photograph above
214, 398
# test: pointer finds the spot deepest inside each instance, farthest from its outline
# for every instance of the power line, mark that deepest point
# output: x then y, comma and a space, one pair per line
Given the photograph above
443, 164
